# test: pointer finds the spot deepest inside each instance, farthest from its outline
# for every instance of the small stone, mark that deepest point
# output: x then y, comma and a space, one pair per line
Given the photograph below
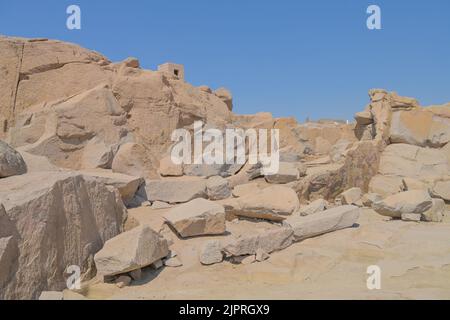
411, 217
211, 252
173, 262
123, 281
261, 255
436, 212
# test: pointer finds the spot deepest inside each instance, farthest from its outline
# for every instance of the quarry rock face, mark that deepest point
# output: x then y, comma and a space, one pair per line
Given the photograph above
82, 138
55, 220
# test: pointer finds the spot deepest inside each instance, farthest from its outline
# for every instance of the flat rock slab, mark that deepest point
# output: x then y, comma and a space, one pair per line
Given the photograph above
271, 203
323, 222
130, 250
197, 217
176, 190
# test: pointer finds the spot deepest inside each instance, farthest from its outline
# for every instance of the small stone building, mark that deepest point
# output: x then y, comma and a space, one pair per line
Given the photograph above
176, 70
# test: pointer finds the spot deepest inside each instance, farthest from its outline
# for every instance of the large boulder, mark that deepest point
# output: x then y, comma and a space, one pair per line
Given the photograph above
413, 201
197, 217
56, 219
131, 159
176, 190
131, 250
323, 222
11, 162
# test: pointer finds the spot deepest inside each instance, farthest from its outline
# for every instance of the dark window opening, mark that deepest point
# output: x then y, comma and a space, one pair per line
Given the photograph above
176, 72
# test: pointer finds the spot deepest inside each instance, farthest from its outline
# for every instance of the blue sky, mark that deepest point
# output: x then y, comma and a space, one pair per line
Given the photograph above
293, 58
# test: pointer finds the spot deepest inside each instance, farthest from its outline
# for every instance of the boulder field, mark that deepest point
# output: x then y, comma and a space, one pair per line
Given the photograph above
87, 180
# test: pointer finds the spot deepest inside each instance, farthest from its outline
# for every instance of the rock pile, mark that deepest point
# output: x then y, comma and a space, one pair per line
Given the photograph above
80, 156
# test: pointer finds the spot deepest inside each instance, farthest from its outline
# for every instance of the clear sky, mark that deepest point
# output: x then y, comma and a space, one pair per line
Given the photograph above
292, 58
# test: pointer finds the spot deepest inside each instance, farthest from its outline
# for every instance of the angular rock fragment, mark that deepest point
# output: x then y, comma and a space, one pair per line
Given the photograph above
197, 217
11, 162
315, 206
218, 188
211, 252
130, 250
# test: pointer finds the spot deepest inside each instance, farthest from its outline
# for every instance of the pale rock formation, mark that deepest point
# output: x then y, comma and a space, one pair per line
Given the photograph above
130, 250
323, 222
11, 162
173, 262
261, 255
225, 96
386, 185
67, 214
197, 217
414, 201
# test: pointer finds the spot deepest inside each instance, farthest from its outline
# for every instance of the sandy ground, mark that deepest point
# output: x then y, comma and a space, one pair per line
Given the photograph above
414, 259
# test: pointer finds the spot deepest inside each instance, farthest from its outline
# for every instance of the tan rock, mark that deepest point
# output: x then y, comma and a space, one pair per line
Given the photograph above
414, 201
314, 207
386, 185
176, 190
436, 212
123, 281
369, 198
225, 96
268, 240
323, 222
131, 159
272, 203
217, 188
413, 217
173, 262
51, 295
197, 217
168, 168
287, 172
211, 252
441, 189
130, 250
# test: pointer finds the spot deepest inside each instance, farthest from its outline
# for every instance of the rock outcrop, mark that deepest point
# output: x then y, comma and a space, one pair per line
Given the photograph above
55, 220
